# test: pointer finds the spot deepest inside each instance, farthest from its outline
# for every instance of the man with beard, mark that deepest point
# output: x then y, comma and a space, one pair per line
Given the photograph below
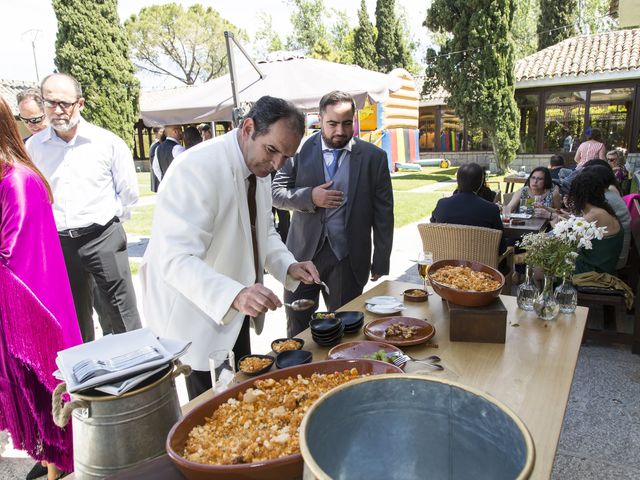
94, 186
339, 190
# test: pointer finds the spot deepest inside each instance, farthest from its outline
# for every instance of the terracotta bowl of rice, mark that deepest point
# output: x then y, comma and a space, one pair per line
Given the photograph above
464, 282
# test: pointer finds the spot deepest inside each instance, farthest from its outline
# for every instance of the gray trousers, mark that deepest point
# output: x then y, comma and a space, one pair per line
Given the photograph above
102, 255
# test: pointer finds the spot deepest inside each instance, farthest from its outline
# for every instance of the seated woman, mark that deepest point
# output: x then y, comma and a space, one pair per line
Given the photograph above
587, 199
538, 189
616, 162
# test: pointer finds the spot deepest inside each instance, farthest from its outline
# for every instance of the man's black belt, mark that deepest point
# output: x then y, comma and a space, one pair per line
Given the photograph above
93, 228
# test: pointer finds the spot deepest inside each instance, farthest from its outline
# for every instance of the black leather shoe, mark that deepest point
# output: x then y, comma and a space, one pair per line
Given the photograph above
37, 471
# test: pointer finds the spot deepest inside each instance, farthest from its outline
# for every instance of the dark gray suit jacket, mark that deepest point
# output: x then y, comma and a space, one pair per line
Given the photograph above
369, 206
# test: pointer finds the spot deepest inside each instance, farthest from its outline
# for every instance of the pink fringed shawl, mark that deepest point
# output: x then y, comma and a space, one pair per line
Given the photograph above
37, 317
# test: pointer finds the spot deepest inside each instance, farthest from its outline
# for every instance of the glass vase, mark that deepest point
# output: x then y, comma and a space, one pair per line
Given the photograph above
567, 296
545, 304
527, 292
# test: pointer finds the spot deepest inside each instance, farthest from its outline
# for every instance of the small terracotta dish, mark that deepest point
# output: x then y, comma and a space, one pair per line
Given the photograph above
289, 343
260, 371
290, 358
415, 295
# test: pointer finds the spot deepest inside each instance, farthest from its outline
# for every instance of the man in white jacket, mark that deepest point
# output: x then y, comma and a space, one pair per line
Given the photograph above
201, 275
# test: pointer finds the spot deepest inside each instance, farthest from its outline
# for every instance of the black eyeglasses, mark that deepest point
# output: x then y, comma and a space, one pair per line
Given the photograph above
32, 121
63, 105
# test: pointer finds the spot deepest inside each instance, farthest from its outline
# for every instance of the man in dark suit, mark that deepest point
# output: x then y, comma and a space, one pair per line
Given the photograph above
169, 149
466, 207
339, 190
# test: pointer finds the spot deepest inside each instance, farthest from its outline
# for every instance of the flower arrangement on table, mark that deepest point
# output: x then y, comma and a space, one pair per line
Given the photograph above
556, 252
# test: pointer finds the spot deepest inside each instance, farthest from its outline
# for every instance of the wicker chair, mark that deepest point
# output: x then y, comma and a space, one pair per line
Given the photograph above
464, 242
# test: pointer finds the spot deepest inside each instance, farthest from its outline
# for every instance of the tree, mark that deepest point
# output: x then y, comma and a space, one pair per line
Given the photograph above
476, 66
593, 17
91, 45
364, 42
308, 29
342, 37
556, 21
187, 45
391, 43
267, 39
524, 29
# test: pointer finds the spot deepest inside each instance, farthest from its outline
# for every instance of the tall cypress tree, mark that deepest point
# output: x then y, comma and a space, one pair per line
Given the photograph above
91, 45
387, 41
364, 53
476, 66
556, 21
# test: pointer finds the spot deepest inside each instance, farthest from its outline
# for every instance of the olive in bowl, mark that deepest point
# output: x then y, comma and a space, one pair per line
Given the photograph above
254, 365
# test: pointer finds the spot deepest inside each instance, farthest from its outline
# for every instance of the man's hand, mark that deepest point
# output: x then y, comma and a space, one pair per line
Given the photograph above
306, 272
255, 300
375, 277
325, 198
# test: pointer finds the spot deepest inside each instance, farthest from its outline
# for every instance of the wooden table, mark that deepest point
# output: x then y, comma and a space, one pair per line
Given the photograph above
531, 373
511, 180
531, 225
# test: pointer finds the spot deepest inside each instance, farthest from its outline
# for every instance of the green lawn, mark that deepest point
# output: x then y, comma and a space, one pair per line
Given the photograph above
408, 181
144, 185
410, 207
140, 222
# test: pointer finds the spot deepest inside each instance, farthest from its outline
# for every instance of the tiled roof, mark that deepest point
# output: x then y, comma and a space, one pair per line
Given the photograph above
10, 88
609, 52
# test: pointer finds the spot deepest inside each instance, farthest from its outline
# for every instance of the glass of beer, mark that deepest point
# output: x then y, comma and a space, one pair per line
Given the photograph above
425, 259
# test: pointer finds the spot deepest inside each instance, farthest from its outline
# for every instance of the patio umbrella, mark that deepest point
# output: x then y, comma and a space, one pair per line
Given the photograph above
302, 81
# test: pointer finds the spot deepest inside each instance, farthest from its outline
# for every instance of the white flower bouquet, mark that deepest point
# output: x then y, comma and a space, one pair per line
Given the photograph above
556, 252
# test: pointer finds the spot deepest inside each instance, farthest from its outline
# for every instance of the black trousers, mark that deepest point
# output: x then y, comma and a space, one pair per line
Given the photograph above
338, 276
101, 254
200, 381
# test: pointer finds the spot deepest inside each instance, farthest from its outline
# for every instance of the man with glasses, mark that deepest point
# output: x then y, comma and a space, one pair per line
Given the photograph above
94, 186
31, 111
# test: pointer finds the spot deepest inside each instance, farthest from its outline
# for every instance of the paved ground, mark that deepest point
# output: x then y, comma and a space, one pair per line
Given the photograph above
601, 432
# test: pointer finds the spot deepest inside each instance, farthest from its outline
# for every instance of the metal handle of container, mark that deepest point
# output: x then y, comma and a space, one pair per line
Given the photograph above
60, 410
180, 368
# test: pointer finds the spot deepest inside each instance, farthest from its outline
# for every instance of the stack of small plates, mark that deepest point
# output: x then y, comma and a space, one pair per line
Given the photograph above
352, 321
384, 305
326, 332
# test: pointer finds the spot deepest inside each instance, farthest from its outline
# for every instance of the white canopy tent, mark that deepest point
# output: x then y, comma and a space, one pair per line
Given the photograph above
302, 81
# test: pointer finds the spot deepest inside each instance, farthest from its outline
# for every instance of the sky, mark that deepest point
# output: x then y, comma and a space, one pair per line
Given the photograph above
29, 23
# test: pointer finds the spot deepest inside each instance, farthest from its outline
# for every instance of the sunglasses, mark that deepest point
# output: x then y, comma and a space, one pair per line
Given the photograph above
32, 121
63, 105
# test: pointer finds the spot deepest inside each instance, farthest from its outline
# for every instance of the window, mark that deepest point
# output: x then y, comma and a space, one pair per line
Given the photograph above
609, 110
427, 128
528, 105
563, 120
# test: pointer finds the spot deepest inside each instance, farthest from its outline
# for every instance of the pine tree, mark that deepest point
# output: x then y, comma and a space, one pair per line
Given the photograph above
556, 21
386, 41
91, 45
364, 53
476, 66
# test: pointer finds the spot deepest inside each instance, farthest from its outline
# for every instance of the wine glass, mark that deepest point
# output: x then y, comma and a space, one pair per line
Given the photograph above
425, 259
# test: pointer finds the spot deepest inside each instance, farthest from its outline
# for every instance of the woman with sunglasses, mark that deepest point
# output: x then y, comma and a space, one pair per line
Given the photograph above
615, 159
37, 315
537, 190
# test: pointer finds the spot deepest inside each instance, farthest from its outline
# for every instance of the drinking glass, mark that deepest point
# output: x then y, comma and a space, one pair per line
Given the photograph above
222, 364
425, 259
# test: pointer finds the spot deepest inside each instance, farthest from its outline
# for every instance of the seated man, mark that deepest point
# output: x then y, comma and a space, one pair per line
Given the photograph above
556, 162
466, 207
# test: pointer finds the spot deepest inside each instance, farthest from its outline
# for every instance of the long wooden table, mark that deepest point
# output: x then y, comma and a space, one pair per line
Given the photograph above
531, 373
531, 225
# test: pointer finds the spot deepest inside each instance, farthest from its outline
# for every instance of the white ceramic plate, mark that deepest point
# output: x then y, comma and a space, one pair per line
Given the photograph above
382, 300
384, 309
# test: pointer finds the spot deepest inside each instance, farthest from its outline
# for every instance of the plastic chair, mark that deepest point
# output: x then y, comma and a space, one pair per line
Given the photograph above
465, 242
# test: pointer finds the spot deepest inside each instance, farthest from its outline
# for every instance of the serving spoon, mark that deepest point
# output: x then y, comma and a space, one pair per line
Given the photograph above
300, 305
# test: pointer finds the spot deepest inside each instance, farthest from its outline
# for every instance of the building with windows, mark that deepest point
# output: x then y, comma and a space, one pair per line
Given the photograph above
562, 91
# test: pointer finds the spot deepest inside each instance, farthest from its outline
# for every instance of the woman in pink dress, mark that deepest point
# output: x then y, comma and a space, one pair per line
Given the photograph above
37, 316
591, 149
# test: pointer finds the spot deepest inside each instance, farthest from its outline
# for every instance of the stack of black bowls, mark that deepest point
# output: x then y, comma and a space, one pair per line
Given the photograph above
352, 321
326, 329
